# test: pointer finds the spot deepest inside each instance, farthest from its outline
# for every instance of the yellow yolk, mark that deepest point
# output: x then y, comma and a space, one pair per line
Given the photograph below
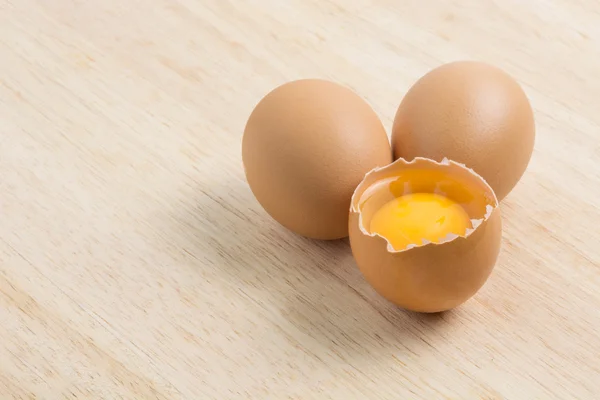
411, 218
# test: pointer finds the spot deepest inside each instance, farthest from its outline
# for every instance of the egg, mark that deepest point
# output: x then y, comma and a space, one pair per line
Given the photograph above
306, 146
425, 234
472, 113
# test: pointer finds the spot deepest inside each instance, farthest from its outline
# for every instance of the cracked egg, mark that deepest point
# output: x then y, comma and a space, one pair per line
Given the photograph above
425, 234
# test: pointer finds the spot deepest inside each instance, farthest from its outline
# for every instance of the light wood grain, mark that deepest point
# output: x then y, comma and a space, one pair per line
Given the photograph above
135, 263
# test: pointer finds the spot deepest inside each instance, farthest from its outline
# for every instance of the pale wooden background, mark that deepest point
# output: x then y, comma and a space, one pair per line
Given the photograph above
136, 264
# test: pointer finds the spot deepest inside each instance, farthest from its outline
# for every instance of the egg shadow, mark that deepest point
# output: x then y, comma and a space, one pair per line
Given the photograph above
314, 286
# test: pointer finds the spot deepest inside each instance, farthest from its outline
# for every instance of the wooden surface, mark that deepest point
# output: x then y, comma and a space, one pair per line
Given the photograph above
135, 263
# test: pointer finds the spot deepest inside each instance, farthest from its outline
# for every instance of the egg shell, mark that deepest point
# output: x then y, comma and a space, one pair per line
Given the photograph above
429, 277
472, 113
306, 146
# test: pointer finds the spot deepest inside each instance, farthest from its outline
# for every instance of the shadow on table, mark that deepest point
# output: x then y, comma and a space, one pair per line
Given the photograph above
314, 287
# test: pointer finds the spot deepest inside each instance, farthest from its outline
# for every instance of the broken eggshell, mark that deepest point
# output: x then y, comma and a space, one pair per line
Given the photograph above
427, 277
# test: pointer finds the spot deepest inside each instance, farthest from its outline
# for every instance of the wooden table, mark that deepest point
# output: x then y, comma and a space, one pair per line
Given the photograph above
136, 264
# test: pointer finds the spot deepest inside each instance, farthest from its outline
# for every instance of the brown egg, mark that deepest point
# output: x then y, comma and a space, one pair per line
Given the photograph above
306, 146
425, 276
472, 113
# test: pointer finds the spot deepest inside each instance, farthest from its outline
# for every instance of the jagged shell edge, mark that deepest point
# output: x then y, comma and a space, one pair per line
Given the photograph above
475, 222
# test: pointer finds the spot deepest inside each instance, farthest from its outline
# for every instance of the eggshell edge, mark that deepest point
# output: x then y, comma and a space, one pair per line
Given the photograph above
476, 223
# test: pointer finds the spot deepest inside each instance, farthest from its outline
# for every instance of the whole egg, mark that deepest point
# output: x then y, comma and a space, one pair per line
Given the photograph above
306, 146
472, 113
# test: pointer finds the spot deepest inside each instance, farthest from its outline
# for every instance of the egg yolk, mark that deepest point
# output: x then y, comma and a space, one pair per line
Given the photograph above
411, 218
